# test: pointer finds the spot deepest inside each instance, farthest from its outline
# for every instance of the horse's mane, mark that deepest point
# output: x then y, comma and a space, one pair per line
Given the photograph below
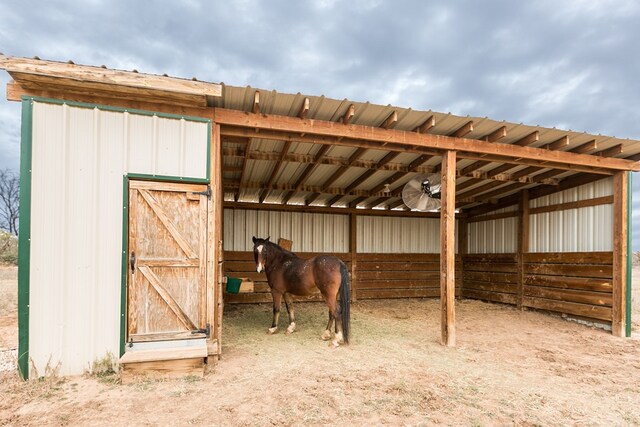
281, 249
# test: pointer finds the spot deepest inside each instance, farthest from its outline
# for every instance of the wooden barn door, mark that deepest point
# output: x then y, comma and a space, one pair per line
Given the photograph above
167, 261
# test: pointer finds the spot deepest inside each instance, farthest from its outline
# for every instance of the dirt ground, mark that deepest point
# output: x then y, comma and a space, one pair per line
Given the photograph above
509, 367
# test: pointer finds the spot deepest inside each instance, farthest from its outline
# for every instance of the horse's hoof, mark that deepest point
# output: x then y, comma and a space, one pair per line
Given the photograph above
339, 338
291, 328
326, 335
334, 344
272, 331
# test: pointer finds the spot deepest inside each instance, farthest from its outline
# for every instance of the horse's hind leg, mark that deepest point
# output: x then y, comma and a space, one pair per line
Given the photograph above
277, 303
326, 335
292, 320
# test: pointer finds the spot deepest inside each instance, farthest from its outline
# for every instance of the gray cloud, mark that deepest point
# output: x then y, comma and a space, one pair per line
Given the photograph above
564, 64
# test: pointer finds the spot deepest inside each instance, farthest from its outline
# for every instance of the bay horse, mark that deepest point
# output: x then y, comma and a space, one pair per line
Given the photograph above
289, 275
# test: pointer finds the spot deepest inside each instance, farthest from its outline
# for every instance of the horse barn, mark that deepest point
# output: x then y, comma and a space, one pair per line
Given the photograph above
140, 193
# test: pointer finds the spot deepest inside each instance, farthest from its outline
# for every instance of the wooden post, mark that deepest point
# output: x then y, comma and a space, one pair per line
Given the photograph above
620, 212
463, 245
353, 250
447, 249
214, 246
523, 244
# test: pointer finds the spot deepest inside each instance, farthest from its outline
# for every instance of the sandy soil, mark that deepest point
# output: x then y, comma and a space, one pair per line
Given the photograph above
509, 367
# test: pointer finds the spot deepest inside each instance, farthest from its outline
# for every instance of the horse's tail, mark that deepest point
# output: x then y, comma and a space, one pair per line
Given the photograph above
345, 298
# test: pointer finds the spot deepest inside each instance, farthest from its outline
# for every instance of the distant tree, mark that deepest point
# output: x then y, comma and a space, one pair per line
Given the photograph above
9, 201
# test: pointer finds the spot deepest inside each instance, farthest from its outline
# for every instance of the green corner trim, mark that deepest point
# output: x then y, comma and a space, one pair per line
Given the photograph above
24, 238
629, 255
124, 272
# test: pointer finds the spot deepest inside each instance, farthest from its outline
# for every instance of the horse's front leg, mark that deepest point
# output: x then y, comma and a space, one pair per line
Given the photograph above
292, 319
277, 302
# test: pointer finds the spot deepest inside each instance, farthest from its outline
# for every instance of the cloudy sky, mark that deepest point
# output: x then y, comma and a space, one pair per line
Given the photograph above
569, 64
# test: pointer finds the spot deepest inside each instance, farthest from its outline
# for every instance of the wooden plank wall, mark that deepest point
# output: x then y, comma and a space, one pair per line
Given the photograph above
490, 277
399, 276
575, 283
378, 276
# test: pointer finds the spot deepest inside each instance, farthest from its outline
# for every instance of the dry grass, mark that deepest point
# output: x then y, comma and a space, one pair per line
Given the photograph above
8, 289
509, 367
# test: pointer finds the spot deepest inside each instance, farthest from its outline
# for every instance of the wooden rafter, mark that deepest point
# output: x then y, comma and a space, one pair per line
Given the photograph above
255, 107
243, 173
348, 115
390, 121
463, 130
307, 172
276, 169
494, 136
304, 109
558, 144
326, 209
337, 174
281, 127
426, 125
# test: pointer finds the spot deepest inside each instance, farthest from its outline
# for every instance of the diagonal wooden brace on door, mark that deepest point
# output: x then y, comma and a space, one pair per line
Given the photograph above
171, 228
166, 296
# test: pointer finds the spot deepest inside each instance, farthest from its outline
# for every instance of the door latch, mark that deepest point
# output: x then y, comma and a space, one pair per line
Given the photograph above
206, 192
132, 260
206, 331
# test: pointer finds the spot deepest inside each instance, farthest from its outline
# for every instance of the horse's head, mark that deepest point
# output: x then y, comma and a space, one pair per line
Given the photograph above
260, 253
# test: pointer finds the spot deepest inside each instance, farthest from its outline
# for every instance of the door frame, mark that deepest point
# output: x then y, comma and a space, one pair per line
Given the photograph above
125, 242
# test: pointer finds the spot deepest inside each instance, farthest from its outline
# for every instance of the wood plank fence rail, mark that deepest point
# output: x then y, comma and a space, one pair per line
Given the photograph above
573, 283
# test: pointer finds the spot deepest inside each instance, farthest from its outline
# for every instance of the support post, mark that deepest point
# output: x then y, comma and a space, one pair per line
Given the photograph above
620, 212
447, 249
214, 246
353, 250
523, 244
463, 245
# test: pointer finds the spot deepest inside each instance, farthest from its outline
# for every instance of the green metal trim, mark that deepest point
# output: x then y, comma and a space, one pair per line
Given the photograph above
24, 238
116, 109
125, 241
167, 178
124, 270
209, 130
629, 255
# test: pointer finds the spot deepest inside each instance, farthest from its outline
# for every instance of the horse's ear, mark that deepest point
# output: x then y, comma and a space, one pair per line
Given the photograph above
267, 239
254, 239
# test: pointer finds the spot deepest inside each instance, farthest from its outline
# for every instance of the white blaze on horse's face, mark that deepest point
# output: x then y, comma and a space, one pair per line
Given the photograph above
260, 266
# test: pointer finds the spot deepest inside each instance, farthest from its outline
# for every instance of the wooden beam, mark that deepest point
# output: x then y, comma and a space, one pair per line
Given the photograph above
384, 161
255, 108
396, 204
324, 209
448, 250
463, 130
528, 140
620, 211
611, 151
359, 134
496, 135
307, 172
597, 201
275, 171
587, 147
558, 144
215, 253
390, 121
337, 174
348, 115
354, 203
304, 109
353, 245
243, 174
85, 76
466, 151
523, 244
426, 125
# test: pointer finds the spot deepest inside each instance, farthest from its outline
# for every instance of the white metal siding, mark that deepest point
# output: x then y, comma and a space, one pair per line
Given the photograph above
79, 157
575, 230
493, 236
309, 232
377, 234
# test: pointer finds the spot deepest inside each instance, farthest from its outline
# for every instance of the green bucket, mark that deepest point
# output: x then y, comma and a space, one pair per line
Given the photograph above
233, 285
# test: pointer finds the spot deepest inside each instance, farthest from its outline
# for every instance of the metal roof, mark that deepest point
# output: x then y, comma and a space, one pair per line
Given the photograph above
368, 114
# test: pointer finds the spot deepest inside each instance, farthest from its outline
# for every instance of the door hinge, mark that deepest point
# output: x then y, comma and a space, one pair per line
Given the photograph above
206, 331
207, 192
